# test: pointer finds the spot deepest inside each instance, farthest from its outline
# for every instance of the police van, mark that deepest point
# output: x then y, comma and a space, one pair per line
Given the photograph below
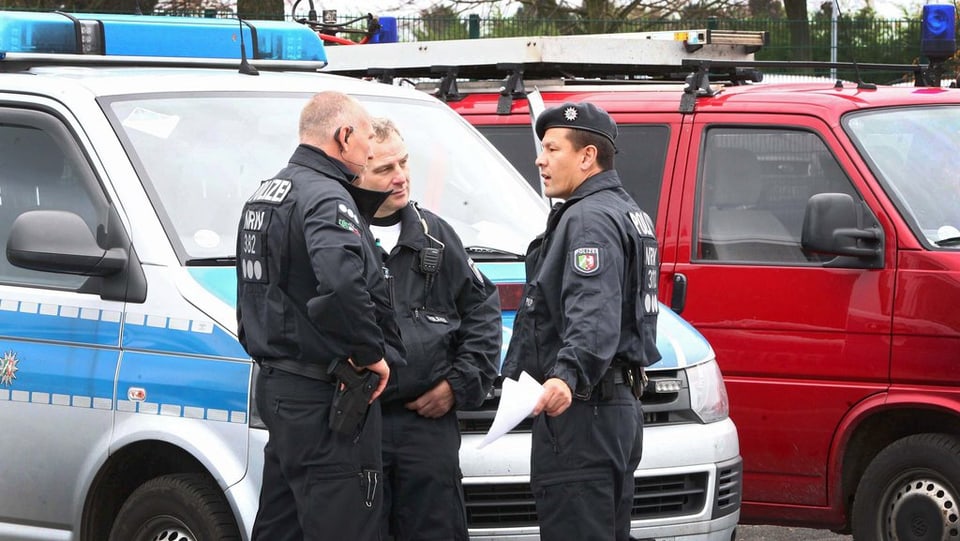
128, 145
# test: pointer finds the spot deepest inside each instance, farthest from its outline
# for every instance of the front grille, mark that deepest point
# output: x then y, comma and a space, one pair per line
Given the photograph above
511, 505
669, 495
729, 487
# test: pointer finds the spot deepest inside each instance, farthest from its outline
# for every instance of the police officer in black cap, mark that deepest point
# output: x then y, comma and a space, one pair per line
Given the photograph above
586, 328
310, 293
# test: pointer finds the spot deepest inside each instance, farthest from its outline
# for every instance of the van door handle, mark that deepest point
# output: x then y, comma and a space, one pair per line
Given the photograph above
679, 298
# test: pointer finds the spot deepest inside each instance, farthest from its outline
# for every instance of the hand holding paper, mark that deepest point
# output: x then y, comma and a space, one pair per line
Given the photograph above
517, 400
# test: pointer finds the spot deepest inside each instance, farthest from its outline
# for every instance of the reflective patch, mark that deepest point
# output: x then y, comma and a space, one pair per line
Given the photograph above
272, 191
586, 260
347, 219
643, 223
252, 244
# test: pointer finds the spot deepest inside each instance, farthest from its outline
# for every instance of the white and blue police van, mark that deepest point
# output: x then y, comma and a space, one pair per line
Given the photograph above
128, 145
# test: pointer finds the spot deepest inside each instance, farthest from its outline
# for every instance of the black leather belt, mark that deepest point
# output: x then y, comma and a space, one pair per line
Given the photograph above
309, 370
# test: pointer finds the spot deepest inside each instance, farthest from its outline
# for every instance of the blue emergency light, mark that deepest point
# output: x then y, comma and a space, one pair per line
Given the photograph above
938, 31
156, 36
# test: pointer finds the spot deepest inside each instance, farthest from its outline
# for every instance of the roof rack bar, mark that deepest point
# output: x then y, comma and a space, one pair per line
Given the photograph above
592, 55
693, 63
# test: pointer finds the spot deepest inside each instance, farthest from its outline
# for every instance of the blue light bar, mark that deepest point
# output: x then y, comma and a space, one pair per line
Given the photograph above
938, 31
156, 36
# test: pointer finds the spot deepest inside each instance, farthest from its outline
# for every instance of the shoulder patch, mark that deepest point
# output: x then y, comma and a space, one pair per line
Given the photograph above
347, 219
586, 260
271, 191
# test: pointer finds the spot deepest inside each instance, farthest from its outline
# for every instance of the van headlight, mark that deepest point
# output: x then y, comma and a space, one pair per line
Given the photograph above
708, 395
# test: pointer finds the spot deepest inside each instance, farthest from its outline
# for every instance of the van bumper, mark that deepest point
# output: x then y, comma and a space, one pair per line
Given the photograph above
688, 485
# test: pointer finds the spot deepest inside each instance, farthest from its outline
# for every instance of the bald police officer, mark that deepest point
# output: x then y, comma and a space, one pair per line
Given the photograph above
310, 292
586, 328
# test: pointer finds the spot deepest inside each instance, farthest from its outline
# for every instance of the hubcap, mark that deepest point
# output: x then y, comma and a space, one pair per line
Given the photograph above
923, 510
166, 529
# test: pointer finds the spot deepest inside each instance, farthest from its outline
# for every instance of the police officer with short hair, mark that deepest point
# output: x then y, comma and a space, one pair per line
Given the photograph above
586, 328
449, 316
310, 292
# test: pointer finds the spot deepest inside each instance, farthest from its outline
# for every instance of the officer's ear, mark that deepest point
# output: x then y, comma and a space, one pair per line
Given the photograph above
342, 136
588, 157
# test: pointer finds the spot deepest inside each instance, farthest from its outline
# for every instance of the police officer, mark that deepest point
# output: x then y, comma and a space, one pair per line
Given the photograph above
449, 316
310, 292
585, 330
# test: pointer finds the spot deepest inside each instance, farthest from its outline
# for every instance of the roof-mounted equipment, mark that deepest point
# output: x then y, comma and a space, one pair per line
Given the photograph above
596, 55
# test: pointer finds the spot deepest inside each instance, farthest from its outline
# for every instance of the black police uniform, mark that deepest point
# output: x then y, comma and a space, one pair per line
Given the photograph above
588, 317
449, 317
310, 290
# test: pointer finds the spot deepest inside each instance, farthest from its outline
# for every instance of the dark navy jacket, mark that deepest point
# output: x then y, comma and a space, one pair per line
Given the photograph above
591, 292
449, 319
310, 285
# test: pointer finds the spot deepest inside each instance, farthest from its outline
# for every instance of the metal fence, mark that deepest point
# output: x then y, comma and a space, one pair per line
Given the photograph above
858, 39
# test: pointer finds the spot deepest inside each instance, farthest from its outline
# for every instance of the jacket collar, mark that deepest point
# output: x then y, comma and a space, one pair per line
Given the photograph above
367, 201
603, 180
411, 230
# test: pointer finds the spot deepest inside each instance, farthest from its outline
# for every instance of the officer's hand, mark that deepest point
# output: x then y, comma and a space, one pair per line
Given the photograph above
556, 398
382, 369
434, 403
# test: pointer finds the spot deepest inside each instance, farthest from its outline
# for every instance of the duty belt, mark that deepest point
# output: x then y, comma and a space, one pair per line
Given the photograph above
620, 375
309, 370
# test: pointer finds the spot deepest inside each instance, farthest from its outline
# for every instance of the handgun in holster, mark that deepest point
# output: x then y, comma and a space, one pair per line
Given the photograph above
637, 379
351, 399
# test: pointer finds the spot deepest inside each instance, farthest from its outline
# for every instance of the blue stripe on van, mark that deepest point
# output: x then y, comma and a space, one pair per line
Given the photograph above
62, 323
221, 281
65, 375
503, 272
185, 387
158, 333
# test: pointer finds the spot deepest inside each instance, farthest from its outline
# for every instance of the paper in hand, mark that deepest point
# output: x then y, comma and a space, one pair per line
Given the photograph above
517, 400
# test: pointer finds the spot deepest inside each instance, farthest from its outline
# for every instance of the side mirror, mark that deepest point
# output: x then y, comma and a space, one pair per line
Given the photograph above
831, 225
60, 241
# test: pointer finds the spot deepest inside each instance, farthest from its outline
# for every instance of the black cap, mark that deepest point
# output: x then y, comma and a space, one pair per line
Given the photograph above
578, 116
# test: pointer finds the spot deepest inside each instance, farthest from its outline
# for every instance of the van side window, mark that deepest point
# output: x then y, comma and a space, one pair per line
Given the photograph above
754, 186
640, 160
36, 173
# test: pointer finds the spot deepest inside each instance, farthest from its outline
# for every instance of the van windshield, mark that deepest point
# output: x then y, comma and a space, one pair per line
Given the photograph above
913, 153
202, 155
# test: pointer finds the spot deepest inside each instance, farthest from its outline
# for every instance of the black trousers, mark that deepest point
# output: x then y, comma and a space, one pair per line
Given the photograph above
422, 491
582, 466
317, 484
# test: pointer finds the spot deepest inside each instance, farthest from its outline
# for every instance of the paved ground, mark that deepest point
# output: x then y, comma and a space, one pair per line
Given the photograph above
774, 533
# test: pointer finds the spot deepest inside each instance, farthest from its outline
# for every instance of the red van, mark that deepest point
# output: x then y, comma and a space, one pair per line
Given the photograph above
811, 231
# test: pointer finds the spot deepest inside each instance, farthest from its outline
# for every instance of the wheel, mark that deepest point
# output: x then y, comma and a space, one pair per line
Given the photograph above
182, 507
911, 492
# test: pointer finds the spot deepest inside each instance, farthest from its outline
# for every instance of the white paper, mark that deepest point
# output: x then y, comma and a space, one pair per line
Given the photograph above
517, 400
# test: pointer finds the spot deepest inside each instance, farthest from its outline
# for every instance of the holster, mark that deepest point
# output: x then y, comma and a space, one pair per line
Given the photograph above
351, 399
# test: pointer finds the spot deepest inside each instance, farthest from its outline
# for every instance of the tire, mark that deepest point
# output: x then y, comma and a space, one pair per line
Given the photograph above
910, 492
182, 507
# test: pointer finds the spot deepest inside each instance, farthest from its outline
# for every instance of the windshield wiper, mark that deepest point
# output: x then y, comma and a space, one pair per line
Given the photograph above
220, 261
486, 252
949, 241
